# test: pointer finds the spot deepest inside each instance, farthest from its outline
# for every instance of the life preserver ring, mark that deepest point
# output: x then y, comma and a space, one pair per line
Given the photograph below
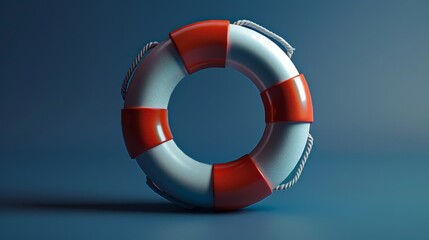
286, 99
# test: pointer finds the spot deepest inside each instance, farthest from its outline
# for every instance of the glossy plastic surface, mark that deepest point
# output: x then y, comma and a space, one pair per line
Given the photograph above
238, 184
144, 128
256, 56
280, 149
177, 174
156, 77
202, 44
289, 101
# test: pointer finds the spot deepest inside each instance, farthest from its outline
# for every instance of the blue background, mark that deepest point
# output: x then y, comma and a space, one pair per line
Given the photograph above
64, 170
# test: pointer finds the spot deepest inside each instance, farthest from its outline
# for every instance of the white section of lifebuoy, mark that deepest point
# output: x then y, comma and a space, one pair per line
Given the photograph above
178, 174
280, 149
259, 58
152, 86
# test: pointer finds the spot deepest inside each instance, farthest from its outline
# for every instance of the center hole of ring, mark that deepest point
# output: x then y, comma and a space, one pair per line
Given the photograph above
216, 115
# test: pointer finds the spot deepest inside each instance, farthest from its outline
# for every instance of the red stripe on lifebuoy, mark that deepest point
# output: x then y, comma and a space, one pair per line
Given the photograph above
144, 128
238, 184
289, 100
202, 44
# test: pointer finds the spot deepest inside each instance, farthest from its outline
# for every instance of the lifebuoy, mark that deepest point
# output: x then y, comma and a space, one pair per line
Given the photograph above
239, 183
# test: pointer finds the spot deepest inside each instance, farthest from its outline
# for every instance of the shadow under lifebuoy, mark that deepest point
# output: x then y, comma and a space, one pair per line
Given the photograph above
111, 206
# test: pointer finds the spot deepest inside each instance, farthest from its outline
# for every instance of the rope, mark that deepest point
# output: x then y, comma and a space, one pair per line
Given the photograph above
136, 61
303, 160
259, 28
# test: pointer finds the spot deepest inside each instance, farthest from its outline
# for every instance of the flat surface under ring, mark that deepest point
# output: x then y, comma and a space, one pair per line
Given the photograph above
103, 195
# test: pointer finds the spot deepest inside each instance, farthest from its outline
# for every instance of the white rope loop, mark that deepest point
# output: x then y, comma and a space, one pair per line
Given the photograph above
259, 28
300, 167
133, 67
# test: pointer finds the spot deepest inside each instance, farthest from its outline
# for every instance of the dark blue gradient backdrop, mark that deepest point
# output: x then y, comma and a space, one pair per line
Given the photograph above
64, 170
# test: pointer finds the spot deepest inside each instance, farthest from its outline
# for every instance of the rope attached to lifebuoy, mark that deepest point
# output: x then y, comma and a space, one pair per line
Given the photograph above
134, 65
300, 168
268, 33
